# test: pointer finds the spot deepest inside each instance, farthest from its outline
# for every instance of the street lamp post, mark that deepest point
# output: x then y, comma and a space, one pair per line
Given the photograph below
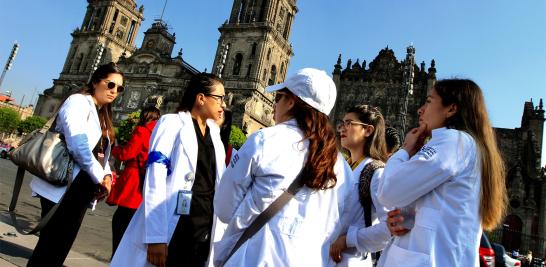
9, 63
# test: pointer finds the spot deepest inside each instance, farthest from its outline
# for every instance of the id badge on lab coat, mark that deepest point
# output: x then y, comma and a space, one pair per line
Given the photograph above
183, 203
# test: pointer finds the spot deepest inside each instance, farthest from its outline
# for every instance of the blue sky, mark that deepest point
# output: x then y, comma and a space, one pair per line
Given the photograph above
500, 44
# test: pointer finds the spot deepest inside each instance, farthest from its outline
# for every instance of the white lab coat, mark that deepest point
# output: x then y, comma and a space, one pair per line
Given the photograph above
155, 219
368, 239
79, 122
443, 182
301, 233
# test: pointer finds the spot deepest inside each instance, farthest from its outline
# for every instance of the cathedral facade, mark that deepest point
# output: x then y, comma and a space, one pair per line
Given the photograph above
152, 76
396, 88
253, 52
109, 29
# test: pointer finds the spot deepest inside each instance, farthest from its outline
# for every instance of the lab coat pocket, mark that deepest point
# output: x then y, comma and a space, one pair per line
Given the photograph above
290, 226
398, 256
423, 234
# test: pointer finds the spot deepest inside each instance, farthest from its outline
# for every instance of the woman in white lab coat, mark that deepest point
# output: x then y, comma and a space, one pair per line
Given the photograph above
300, 234
455, 181
174, 224
85, 120
362, 134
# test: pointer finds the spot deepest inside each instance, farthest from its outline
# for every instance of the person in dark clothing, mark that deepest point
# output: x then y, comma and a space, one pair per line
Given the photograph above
175, 224
85, 121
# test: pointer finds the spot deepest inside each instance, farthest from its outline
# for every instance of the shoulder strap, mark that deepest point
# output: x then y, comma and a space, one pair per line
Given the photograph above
16, 189
268, 213
364, 189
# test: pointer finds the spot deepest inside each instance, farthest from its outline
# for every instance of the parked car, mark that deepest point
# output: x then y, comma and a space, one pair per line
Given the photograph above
499, 254
511, 262
487, 254
4, 150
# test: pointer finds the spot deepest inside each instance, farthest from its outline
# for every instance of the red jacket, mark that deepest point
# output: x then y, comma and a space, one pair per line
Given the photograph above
126, 191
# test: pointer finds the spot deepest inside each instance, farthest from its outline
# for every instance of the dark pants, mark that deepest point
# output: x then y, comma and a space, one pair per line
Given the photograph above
120, 221
185, 249
58, 235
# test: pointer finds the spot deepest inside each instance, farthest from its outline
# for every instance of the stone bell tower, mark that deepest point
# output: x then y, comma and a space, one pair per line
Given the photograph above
110, 24
254, 52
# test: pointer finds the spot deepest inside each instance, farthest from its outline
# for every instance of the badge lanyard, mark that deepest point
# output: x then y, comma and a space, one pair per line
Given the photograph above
183, 202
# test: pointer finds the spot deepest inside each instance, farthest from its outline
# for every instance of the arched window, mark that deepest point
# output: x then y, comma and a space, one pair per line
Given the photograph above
269, 54
237, 65
273, 76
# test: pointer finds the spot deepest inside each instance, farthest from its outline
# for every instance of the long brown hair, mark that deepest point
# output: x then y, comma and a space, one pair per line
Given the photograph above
318, 171
471, 117
375, 145
104, 112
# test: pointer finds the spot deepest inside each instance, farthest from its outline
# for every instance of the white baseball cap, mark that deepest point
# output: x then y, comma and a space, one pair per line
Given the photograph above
313, 86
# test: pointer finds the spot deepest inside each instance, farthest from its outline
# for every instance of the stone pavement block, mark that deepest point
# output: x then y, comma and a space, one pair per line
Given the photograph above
15, 248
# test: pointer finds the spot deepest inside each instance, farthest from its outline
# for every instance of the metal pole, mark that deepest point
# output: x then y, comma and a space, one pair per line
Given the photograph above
9, 63
163, 11
21, 106
2, 77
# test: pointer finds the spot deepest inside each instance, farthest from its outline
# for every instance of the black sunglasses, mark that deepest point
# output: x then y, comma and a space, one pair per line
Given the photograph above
111, 85
219, 98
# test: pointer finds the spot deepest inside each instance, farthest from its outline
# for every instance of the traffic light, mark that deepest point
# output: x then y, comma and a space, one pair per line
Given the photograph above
12, 56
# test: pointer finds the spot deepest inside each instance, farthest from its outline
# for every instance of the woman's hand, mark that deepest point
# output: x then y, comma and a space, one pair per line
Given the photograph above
415, 139
157, 254
104, 188
337, 247
394, 223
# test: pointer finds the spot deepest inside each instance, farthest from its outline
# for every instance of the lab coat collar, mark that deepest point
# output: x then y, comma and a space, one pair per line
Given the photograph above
290, 122
220, 152
93, 108
188, 138
438, 131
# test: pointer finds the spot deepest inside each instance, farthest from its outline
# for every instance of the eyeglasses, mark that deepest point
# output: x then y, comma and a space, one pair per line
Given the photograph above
111, 85
349, 123
278, 96
219, 98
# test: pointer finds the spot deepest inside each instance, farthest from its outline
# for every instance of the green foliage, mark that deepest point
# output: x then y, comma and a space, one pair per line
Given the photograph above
125, 129
9, 119
30, 124
237, 138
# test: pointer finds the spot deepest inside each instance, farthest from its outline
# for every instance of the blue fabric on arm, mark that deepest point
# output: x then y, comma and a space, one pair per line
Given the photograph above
158, 157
